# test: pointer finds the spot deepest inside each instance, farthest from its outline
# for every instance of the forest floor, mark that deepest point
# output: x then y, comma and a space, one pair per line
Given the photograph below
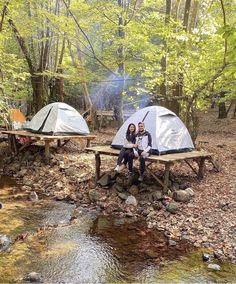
207, 220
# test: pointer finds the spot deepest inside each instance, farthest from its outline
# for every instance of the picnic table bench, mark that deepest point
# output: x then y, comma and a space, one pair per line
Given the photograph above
47, 139
168, 160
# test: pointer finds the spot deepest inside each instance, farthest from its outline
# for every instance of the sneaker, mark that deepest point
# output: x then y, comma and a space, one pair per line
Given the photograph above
117, 168
140, 178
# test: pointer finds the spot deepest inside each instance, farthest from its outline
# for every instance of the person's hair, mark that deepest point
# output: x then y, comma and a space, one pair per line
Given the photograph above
141, 123
128, 131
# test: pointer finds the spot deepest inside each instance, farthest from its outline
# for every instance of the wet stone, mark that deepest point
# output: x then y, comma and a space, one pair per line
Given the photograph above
214, 266
33, 277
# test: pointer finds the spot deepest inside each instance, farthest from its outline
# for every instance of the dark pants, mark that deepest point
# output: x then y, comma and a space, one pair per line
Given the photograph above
141, 160
124, 153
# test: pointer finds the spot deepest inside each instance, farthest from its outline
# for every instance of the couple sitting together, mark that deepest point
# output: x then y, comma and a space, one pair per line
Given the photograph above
136, 145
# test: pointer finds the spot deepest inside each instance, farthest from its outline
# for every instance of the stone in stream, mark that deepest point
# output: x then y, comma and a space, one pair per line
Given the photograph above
33, 277
206, 257
5, 243
214, 266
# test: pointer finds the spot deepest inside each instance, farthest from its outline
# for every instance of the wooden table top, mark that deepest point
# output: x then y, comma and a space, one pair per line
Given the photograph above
107, 150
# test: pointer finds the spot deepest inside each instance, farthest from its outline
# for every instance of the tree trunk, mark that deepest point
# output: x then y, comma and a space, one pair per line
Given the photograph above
163, 86
118, 106
222, 110
39, 94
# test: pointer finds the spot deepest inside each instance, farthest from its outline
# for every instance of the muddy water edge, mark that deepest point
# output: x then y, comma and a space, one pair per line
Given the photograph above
92, 248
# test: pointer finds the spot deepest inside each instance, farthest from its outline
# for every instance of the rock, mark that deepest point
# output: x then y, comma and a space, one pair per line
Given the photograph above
105, 180
33, 197
26, 188
175, 186
113, 175
157, 205
145, 212
129, 181
131, 200
71, 171
190, 191
134, 190
172, 207
59, 185
22, 173
33, 277
59, 195
151, 214
157, 195
119, 181
94, 195
214, 266
152, 254
181, 196
5, 243
172, 243
206, 257
119, 188
123, 196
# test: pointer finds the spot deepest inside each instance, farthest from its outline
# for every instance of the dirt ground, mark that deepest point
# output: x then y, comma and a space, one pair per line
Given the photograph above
207, 220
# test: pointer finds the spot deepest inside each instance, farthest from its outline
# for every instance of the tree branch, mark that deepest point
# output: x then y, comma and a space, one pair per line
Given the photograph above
23, 46
4, 12
224, 20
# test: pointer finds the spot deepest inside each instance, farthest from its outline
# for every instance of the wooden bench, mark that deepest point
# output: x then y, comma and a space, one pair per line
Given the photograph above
168, 160
47, 139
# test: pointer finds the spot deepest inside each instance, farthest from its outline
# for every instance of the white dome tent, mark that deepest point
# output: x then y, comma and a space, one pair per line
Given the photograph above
58, 119
169, 134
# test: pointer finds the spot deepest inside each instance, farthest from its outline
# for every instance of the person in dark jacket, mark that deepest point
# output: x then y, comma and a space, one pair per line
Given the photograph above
142, 151
129, 144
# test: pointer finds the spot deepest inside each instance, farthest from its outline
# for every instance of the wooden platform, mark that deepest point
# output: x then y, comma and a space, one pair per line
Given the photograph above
168, 160
47, 139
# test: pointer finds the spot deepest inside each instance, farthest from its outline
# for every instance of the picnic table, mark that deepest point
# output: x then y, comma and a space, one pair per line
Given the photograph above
46, 139
167, 160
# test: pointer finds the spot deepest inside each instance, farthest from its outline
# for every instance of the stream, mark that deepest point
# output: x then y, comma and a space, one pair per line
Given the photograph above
92, 248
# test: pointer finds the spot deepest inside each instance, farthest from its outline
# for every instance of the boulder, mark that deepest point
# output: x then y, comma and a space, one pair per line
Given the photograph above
214, 266
105, 180
172, 207
190, 191
5, 243
131, 200
133, 190
33, 277
118, 188
181, 196
123, 196
157, 195
94, 195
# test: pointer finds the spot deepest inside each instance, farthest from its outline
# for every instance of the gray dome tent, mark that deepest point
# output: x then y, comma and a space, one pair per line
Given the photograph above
58, 119
169, 134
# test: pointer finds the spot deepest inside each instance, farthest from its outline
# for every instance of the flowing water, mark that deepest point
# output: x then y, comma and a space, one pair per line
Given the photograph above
92, 248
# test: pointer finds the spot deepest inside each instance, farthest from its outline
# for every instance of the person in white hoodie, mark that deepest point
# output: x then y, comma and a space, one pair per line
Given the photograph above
142, 151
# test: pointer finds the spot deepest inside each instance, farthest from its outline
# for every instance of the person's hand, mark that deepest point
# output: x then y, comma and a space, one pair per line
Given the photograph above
144, 154
135, 145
